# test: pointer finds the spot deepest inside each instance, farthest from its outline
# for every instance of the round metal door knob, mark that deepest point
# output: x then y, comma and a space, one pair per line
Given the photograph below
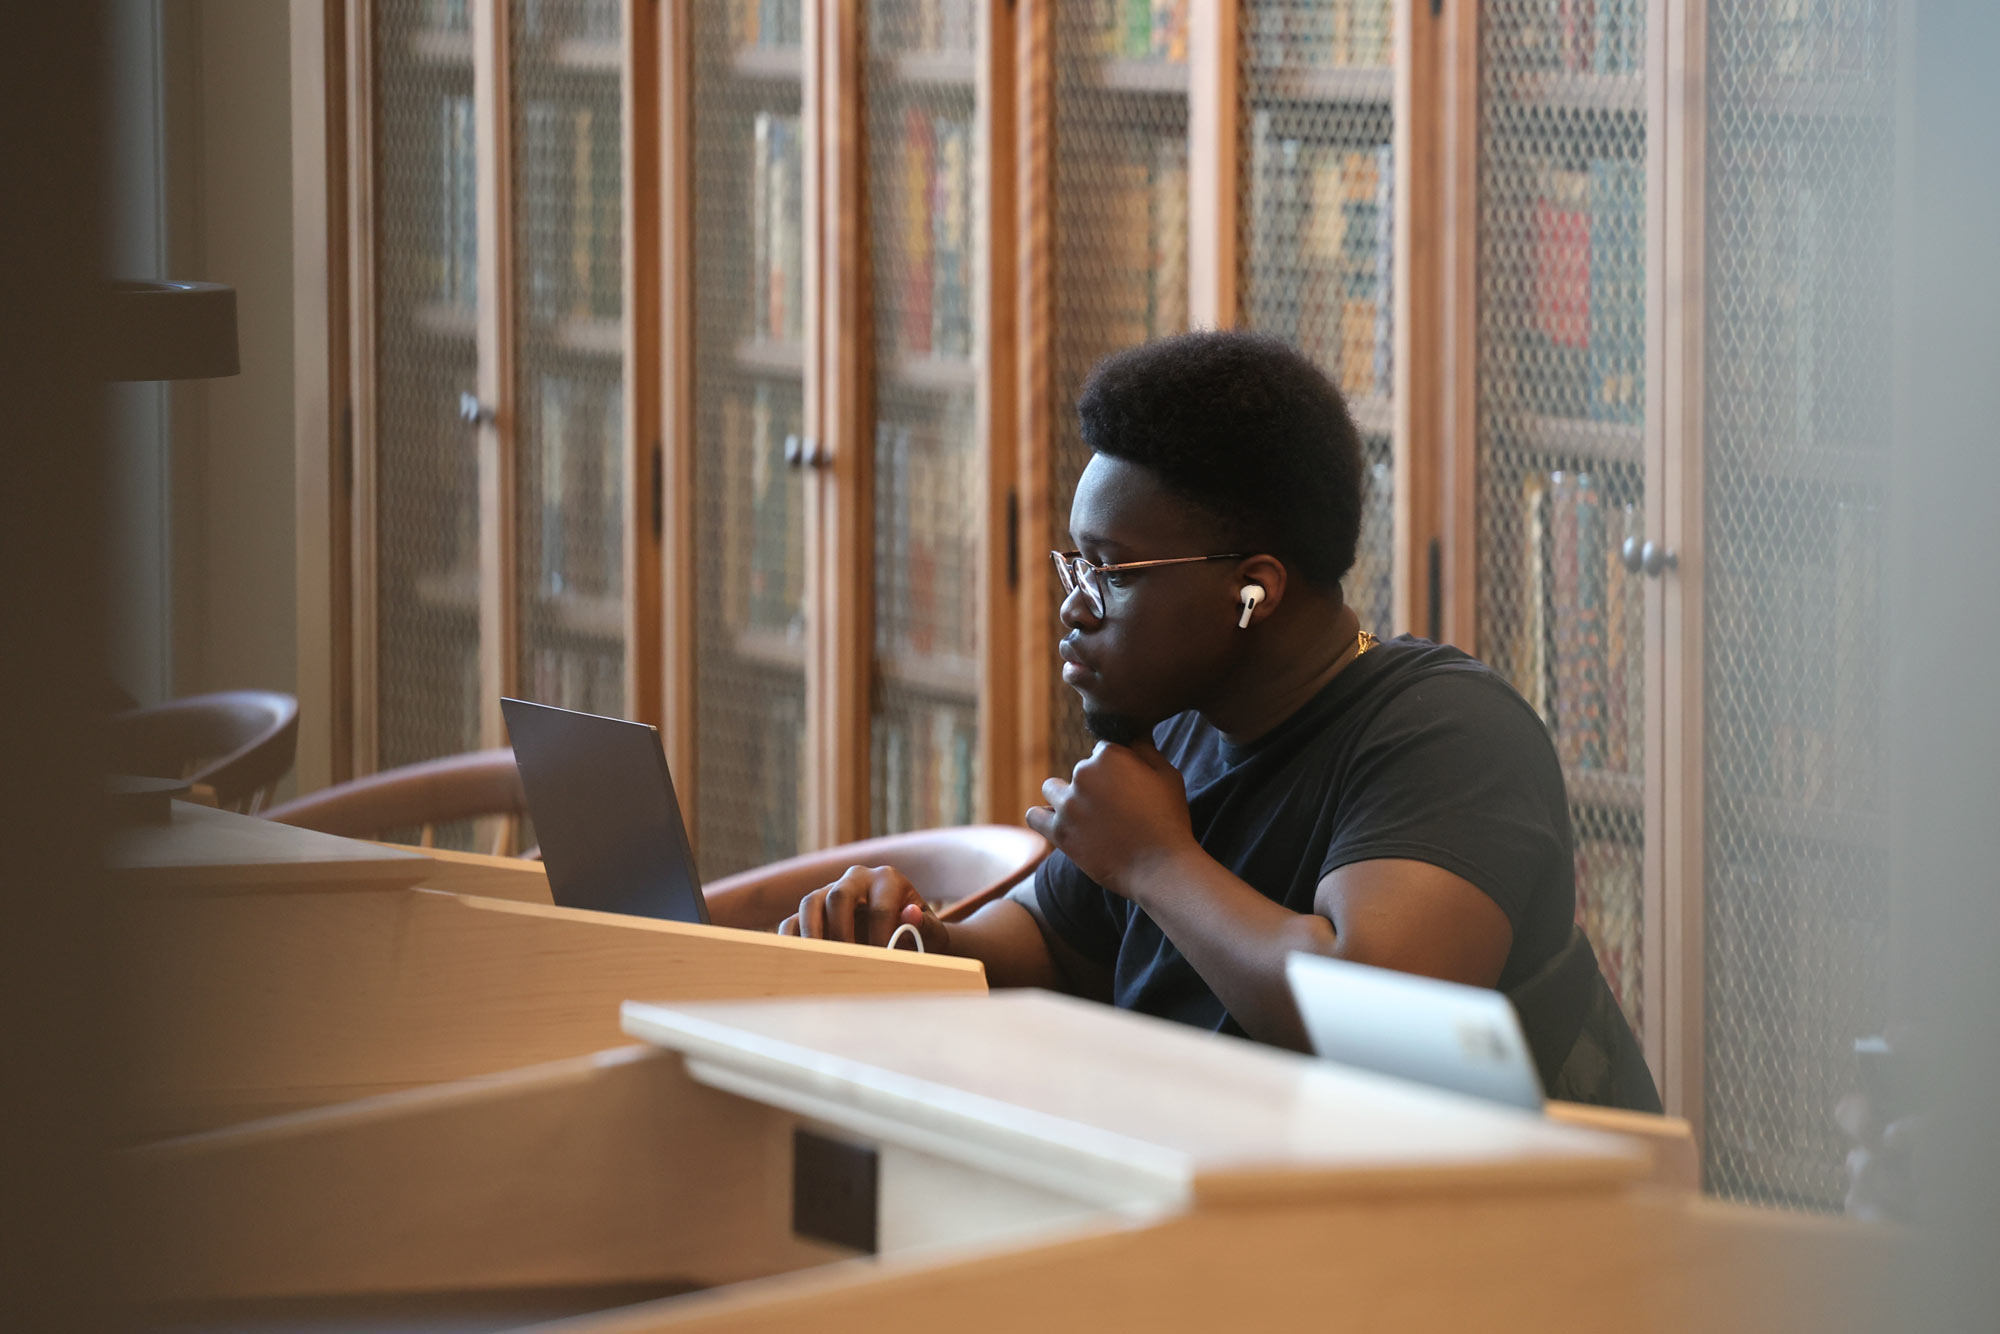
472, 412
1633, 554
1655, 560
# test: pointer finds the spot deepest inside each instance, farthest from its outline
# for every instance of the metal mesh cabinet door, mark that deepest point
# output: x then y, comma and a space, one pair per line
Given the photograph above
926, 174
1317, 208
426, 496
1118, 271
566, 70
1561, 401
1799, 178
749, 332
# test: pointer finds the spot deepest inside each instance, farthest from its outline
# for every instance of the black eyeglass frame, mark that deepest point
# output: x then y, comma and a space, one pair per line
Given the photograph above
1076, 570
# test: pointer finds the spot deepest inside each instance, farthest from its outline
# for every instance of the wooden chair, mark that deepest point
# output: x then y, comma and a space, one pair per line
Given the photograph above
237, 743
419, 796
958, 869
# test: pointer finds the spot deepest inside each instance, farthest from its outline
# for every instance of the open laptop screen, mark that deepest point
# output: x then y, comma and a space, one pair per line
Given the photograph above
605, 813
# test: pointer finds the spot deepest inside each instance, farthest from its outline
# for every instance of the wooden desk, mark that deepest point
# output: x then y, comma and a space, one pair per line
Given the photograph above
271, 969
1039, 1163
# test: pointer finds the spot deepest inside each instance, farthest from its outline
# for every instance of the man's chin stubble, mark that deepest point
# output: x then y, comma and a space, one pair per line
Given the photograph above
1120, 729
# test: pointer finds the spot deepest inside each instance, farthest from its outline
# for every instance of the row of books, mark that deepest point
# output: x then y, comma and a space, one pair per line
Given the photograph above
455, 246
1140, 29
926, 768
1798, 39
1324, 32
556, 20
936, 226
573, 201
1576, 36
766, 23
1807, 308
590, 680
1137, 245
763, 553
927, 531
923, 25
1795, 679
1610, 907
1322, 260
777, 229
1577, 656
1579, 262
1370, 585
580, 541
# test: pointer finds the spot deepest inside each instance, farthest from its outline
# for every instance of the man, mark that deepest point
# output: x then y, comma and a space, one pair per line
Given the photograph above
1267, 778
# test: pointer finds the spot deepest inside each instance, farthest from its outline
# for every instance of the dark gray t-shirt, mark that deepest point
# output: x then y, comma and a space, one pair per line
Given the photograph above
1415, 751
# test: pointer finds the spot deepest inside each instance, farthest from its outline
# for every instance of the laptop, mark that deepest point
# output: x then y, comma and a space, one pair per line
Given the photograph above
1449, 1036
605, 812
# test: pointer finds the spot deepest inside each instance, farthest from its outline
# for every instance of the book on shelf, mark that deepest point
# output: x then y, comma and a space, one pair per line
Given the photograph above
1136, 243
1323, 253
777, 229
923, 26
580, 540
1140, 29
926, 767
446, 16
572, 198
1575, 36
1806, 39
766, 23
1339, 33
1581, 353
558, 20
590, 680
927, 534
936, 236
455, 281
1577, 654
1610, 907
763, 557
1370, 585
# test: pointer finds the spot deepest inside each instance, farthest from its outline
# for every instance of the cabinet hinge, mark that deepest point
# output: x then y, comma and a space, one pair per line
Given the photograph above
659, 493
1013, 540
1434, 581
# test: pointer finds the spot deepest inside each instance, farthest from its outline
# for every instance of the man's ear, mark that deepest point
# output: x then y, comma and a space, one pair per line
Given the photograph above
1268, 573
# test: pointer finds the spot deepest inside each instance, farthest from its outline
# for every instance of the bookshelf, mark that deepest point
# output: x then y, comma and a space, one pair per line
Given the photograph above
1666, 250
826, 279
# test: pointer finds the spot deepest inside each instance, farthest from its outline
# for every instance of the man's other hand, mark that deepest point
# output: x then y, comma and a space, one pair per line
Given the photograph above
865, 906
1123, 809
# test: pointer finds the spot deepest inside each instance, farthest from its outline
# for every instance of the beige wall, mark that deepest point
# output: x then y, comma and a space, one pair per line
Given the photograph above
230, 220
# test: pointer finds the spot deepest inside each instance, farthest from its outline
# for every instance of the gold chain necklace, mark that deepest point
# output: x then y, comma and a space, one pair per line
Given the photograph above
1363, 642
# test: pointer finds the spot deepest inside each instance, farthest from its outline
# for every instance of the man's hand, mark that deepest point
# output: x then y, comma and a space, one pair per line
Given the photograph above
1123, 809
866, 905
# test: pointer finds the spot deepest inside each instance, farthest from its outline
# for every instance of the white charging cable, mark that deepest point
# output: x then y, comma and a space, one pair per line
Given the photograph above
897, 935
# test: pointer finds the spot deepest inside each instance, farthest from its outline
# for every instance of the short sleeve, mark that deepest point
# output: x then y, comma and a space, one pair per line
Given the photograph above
1077, 909
1458, 772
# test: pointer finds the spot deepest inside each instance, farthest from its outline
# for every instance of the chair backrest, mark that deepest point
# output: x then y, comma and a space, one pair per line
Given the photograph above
959, 869
240, 743
418, 796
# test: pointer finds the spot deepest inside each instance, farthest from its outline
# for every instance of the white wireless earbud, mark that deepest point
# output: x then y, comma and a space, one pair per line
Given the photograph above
1252, 594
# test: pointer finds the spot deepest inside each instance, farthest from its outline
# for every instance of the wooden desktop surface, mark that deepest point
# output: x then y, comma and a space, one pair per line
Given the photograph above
199, 847
1140, 1109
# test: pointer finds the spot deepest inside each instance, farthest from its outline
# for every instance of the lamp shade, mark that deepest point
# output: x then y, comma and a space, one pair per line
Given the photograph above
169, 330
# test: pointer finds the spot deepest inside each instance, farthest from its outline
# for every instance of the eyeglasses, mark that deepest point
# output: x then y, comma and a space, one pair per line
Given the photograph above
1076, 572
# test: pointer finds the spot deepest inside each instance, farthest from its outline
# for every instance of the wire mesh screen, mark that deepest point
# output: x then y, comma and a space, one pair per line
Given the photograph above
1800, 173
427, 482
749, 222
567, 67
1119, 268
925, 183
1561, 335
1318, 212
